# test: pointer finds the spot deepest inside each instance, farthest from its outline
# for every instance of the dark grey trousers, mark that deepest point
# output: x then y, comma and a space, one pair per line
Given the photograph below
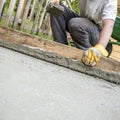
84, 33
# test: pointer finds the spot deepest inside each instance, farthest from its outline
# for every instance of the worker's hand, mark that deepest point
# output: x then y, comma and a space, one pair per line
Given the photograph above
54, 1
93, 55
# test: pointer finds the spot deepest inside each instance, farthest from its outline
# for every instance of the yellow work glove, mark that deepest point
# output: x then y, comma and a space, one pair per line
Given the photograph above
93, 55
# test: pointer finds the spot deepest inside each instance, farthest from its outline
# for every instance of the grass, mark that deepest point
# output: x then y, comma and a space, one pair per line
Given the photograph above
2, 22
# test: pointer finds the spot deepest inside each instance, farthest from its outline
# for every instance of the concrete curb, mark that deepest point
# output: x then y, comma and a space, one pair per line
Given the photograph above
107, 69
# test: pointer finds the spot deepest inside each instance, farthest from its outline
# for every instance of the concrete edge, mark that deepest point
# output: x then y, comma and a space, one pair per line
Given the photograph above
55, 58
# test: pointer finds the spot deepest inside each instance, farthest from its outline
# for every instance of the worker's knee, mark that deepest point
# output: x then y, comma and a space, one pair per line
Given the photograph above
73, 24
76, 24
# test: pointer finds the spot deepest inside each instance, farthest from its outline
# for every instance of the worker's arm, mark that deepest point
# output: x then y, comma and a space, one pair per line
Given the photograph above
106, 31
93, 55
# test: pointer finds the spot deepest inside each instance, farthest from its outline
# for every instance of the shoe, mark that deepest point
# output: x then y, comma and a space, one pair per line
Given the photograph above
54, 9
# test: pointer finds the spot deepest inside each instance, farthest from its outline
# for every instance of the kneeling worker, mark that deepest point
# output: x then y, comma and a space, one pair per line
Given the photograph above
90, 31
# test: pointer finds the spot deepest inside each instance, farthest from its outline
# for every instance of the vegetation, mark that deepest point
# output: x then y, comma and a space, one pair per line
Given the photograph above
75, 6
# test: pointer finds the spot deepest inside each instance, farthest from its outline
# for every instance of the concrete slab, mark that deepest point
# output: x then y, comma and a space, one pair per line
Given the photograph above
108, 69
32, 89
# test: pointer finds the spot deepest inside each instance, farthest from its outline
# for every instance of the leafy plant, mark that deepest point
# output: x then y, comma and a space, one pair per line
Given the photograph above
75, 6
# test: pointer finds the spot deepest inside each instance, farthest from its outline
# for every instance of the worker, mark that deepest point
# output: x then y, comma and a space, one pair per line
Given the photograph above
90, 31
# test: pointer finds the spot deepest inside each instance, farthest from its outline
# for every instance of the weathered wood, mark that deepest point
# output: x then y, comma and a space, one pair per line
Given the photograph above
115, 53
108, 69
34, 28
23, 9
32, 12
119, 6
25, 13
10, 11
46, 27
69, 4
17, 17
42, 17
2, 2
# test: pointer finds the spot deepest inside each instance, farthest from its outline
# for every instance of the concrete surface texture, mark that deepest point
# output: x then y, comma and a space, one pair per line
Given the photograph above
31, 89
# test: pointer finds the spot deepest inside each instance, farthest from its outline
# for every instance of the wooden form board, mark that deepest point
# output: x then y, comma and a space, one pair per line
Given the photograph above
107, 68
116, 53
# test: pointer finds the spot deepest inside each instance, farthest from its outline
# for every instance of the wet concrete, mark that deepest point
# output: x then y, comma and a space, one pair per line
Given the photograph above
31, 89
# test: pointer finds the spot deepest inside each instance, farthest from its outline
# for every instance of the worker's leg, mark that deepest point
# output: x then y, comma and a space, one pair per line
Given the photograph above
59, 25
84, 32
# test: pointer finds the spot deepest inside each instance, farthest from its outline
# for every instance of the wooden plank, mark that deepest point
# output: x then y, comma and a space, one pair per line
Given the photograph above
46, 27
42, 17
25, 13
115, 53
118, 2
2, 3
32, 12
10, 11
119, 6
116, 48
34, 28
69, 4
23, 9
115, 58
17, 17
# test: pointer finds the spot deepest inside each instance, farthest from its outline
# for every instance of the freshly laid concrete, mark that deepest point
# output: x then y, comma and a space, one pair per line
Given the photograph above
106, 68
31, 89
